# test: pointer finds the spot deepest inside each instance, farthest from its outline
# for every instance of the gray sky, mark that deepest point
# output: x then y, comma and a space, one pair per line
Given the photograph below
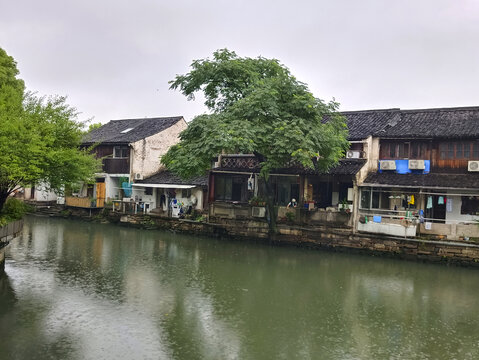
114, 58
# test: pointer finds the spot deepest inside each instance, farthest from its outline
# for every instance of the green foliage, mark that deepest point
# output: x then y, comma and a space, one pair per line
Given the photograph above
258, 107
65, 213
13, 209
94, 126
290, 216
257, 201
39, 138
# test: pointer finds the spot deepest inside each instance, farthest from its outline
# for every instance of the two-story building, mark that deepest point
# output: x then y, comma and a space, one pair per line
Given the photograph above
407, 173
130, 150
427, 179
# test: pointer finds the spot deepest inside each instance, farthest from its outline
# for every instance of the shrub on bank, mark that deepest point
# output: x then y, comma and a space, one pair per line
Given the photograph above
13, 209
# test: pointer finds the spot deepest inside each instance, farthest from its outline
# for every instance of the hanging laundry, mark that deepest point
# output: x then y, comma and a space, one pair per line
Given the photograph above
421, 216
449, 205
440, 200
410, 199
429, 202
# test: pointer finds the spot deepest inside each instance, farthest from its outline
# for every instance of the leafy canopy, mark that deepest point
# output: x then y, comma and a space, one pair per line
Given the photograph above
256, 106
39, 137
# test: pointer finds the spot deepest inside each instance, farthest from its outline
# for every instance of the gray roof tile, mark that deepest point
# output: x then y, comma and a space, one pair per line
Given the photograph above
167, 177
111, 133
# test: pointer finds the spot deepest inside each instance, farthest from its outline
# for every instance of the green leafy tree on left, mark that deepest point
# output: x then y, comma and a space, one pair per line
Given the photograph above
39, 138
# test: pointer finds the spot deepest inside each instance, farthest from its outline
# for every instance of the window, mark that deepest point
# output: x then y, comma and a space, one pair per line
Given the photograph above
470, 205
230, 188
392, 151
223, 187
185, 193
458, 150
415, 150
443, 151
403, 150
121, 152
450, 151
365, 198
148, 191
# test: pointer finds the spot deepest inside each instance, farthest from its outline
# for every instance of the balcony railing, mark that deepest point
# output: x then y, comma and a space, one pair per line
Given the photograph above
116, 166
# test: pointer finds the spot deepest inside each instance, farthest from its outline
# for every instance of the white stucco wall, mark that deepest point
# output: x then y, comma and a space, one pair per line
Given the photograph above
371, 148
146, 153
455, 215
152, 199
43, 194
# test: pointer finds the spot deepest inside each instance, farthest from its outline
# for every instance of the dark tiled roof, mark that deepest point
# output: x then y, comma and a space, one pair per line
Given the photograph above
458, 181
422, 123
362, 124
347, 167
436, 123
167, 177
141, 128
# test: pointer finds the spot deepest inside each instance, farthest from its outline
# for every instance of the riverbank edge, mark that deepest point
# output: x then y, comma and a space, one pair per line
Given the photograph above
8, 233
318, 237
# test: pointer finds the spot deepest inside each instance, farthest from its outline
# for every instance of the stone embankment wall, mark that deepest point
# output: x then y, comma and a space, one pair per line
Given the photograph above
7, 233
322, 237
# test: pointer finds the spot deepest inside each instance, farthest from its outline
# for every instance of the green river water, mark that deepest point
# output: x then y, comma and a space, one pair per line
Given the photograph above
76, 290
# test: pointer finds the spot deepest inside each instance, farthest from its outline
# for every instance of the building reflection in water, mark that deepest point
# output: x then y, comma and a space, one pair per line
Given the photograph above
92, 290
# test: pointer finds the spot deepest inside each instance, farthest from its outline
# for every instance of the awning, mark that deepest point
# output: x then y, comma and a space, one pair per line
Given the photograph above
165, 186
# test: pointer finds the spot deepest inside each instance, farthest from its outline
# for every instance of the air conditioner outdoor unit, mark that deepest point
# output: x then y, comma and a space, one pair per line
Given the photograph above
138, 176
354, 154
258, 211
416, 164
473, 165
387, 165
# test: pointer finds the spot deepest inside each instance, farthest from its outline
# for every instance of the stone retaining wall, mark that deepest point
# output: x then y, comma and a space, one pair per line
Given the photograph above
7, 233
322, 237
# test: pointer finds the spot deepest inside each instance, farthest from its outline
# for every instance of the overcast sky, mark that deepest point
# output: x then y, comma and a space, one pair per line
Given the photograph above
114, 58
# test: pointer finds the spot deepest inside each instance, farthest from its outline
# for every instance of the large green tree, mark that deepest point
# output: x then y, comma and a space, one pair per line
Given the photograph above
39, 138
256, 106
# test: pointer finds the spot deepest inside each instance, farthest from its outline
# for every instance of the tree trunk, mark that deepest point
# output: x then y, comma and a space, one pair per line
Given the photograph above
272, 214
3, 198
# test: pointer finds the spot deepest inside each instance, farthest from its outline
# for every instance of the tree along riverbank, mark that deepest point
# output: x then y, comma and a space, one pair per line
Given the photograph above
317, 237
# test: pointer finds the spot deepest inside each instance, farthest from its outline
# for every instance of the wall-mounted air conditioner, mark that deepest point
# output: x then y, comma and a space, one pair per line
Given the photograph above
387, 165
473, 165
416, 164
258, 211
138, 176
354, 154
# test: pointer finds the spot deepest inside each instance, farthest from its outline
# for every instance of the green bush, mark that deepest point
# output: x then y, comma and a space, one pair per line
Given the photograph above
13, 209
290, 216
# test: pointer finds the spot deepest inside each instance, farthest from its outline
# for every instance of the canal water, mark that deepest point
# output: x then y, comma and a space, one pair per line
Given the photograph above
76, 290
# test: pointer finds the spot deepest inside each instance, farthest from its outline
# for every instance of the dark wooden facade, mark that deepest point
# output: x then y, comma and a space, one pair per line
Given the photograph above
446, 156
115, 161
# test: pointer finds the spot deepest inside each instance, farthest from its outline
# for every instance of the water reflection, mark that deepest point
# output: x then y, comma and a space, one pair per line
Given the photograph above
80, 290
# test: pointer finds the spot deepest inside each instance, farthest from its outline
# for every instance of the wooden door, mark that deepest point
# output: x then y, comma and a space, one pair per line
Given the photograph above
100, 195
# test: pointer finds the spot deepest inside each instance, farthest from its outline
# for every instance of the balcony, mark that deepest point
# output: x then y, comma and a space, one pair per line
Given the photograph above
116, 165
